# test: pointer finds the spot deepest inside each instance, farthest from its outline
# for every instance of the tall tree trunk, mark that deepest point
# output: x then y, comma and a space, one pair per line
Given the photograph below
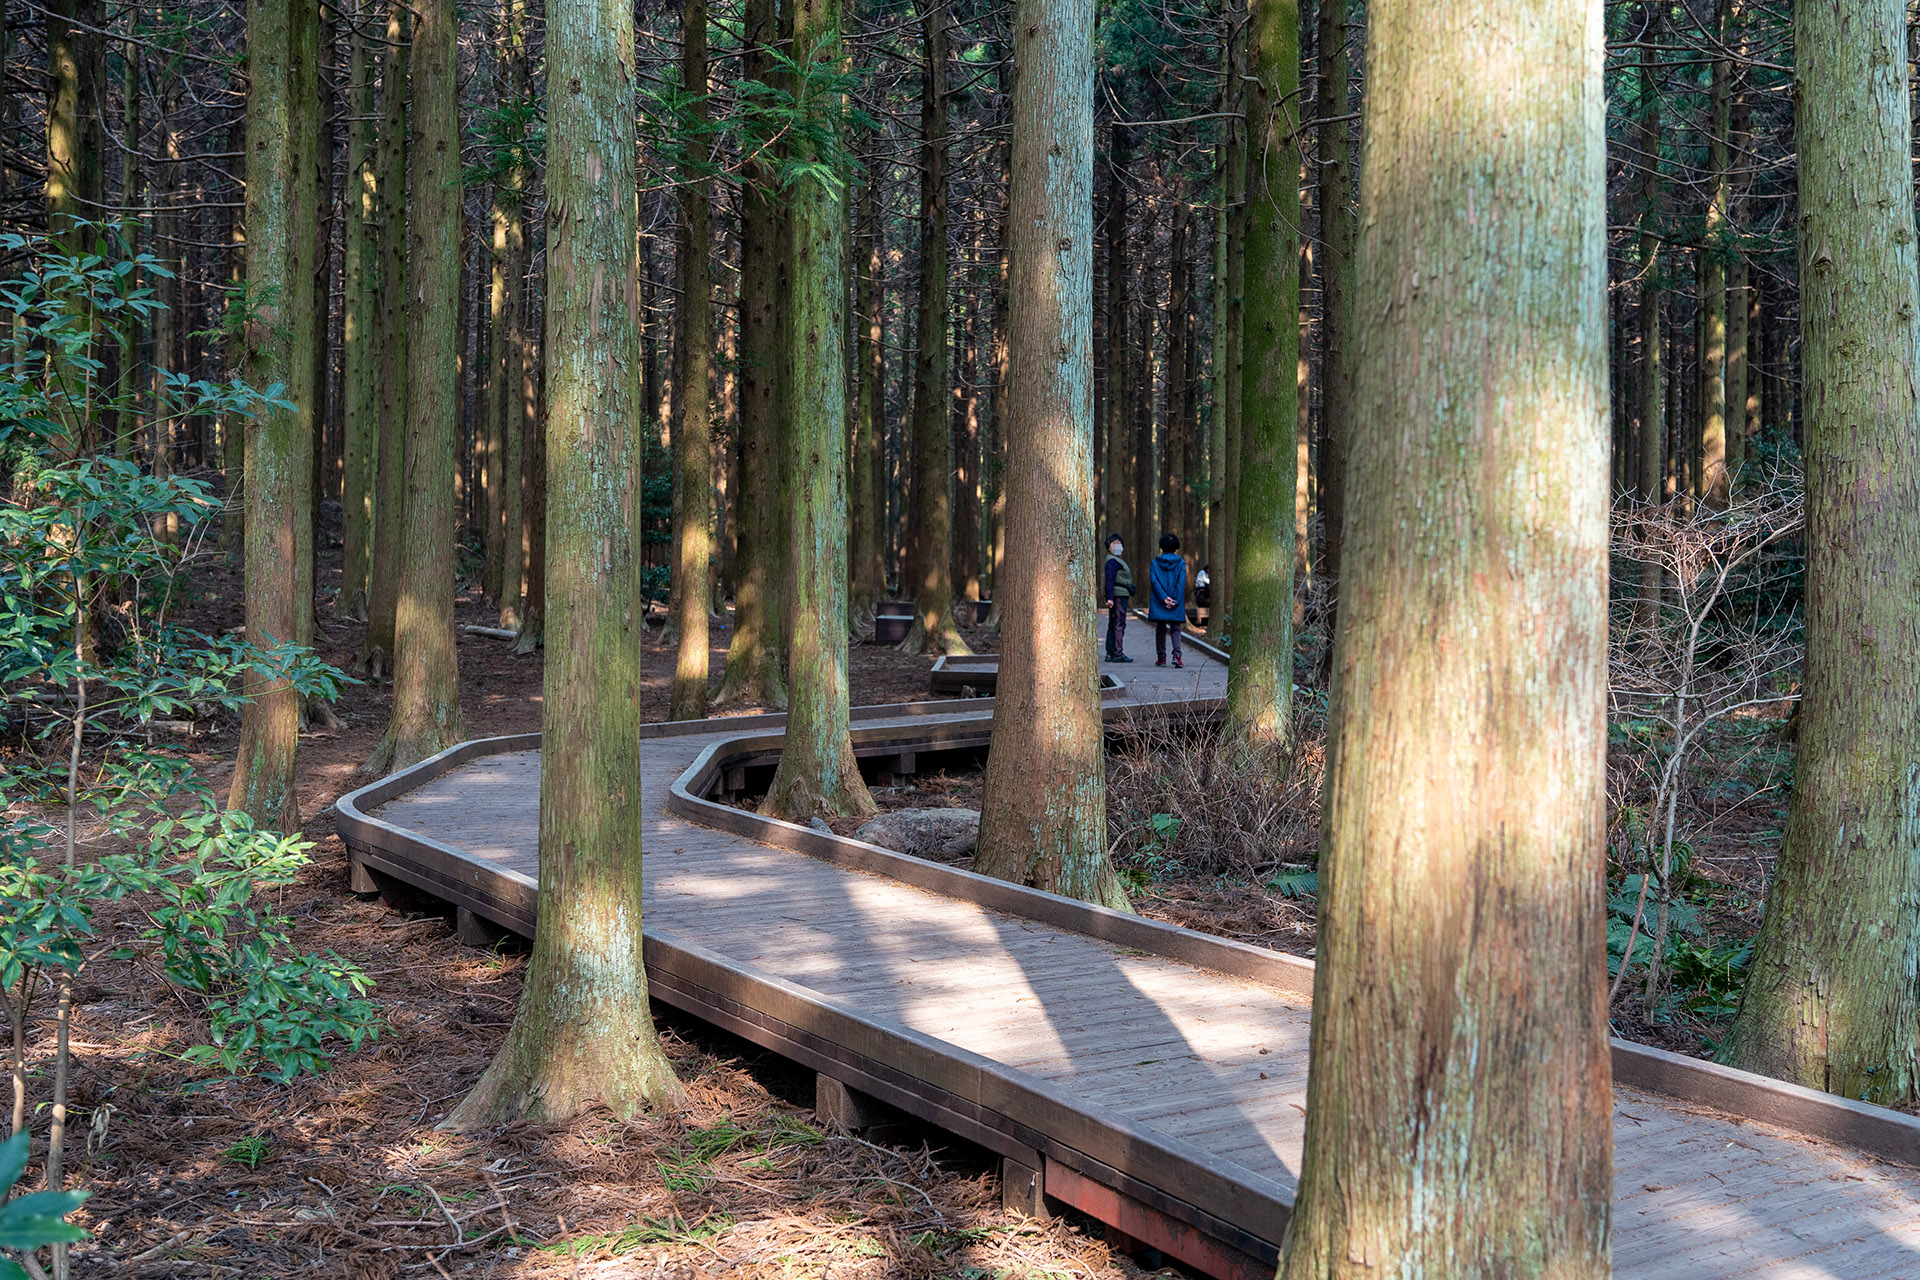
582, 1034
1114, 508
517, 407
533, 451
1043, 817
282, 131
426, 671
1830, 1001
1174, 496
932, 485
167, 320
817, 776
389, 485
970, 340
1337, 233
692, 394
869, 570
1139, 414
1234, 409
70, 105
1650, 486
493, 461
126, 418
1459, 1110
360, 360
1712, 475
1260, 678
318, 108
754, 651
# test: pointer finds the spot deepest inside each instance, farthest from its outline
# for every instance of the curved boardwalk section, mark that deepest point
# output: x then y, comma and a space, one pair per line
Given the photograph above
1154, 1077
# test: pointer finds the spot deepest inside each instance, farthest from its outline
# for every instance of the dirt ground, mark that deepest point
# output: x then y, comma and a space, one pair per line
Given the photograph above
345, 1174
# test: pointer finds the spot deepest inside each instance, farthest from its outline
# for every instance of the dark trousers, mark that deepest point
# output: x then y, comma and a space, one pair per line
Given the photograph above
1117, 627
1161, 630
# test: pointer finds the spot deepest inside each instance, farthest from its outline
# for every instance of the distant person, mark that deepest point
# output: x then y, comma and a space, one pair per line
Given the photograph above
1203, 588
1167, 599
1118, 595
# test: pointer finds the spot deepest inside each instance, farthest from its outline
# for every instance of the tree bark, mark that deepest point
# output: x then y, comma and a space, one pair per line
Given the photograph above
1460, 1111
931, 488
390, 491
1337, 234
1260, 678
426, 673
282, 131
818, 775
1713, 480
754, 652
583, 1034
518, 406
1830, 1001
692, 392
1043, 819
359, 418
1174, 490
868, 576
1651, 483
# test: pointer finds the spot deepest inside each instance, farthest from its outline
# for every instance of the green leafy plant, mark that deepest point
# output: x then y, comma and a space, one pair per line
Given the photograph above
92, 552
31, 1221
249, 1151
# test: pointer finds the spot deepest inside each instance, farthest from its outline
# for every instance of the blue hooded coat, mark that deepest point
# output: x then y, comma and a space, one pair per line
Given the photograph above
1167, 579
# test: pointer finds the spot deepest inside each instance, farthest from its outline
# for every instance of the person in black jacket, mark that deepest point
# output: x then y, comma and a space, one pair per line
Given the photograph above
1118, 594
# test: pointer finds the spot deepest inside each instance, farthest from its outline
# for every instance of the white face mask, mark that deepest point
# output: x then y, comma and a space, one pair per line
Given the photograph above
1115, 549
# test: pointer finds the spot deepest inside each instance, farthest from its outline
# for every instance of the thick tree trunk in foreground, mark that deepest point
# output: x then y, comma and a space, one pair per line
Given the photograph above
692, 398
281, 135
818, 776
1459, 1114
426, 671
582, 1034
1260, 680
389, 486
1043, 818
1830, 1000
932, 487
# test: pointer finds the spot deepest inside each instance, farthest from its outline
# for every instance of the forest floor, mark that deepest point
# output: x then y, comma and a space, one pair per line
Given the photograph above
345, 1174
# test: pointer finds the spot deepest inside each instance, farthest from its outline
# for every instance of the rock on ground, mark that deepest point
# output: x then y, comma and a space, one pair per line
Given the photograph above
940, 834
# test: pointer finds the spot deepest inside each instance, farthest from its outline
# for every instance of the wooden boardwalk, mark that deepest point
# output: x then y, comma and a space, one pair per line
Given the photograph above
1151, 1076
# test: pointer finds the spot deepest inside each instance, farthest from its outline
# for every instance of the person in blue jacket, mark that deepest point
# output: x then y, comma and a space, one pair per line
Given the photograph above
1118, 593
1167, 599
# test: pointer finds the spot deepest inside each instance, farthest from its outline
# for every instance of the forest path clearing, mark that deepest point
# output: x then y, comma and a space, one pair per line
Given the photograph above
1167, 1066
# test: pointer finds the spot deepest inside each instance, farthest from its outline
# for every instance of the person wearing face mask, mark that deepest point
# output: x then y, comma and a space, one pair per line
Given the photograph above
1118, 595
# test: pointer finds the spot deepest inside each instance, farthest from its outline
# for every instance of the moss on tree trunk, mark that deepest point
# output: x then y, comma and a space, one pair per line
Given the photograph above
282, 138
1830, 1000
1260, 680
818, 775
426, 670
583, 1034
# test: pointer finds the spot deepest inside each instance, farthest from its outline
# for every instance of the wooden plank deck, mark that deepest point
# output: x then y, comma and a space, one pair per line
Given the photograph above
1129, 1066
